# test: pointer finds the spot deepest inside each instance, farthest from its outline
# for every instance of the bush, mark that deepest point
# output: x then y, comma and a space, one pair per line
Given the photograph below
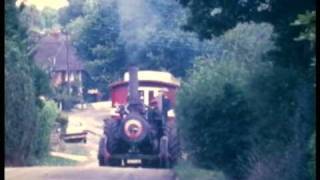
278, 165
312, 152
26, 119
62, 119
281, 104
249, 122
69, 102
20, 116
47, 117
214, 117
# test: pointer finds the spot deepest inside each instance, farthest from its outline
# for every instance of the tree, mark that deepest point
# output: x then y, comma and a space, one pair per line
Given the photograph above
214, 110
215, 118
167, 9
31, 17
97, 42
307, 21
49, 17
109, 39
312, 151
24, 83
282, 99
173, 51
154, 42
209, 18
74, 10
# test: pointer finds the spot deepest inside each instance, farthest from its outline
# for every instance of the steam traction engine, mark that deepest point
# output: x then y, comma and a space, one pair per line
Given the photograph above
141, 135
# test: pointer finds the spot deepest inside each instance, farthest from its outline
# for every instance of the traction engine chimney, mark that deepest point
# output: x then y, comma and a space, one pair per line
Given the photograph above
134, 97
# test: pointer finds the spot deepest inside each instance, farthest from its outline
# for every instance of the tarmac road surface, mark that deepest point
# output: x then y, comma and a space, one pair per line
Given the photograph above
87, 173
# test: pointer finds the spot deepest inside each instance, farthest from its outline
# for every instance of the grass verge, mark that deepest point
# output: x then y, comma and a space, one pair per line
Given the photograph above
187, 171
76, 149
55, 161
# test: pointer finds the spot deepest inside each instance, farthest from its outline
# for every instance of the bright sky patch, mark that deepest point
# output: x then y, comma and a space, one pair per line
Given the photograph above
41, 4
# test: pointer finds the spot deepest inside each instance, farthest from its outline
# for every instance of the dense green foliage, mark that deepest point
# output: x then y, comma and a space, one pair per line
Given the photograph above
47, 117
109, 35
27, 118
279, 93
215, 100
74, 10
247, 105
49, 17
97, 42
36, 20
220, 113
209, 18
172, 51
312, 153
308, 20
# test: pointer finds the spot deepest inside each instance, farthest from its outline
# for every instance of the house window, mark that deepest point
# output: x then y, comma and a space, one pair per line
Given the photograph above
64, 76
141, 93
54, 61
151, 96
79, 74
71, 76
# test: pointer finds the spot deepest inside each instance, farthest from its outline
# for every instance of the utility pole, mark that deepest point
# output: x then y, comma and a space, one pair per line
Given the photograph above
67, 59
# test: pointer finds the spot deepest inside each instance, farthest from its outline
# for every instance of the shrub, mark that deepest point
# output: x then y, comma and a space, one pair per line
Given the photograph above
62, 119
214, 117
24, 83
47, 117
20, 116
278, 165
312, 151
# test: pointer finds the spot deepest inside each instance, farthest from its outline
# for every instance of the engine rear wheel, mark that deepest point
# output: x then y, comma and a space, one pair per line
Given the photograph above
174, 146
111, 133
101, 158
112, 145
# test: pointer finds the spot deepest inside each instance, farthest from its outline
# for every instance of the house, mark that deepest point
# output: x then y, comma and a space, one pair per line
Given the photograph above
151, 84
55, 54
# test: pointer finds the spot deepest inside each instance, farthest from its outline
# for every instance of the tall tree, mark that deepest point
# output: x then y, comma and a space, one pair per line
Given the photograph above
24, 83
98, 43
74, 10
281, 99
49, 17
209, 18
173, 51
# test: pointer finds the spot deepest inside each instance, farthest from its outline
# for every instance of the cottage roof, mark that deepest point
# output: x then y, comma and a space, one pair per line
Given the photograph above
52, 52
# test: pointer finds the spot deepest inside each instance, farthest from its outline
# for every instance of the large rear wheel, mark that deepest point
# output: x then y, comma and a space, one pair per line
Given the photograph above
109, 144
112, 141
101, 158
174, 146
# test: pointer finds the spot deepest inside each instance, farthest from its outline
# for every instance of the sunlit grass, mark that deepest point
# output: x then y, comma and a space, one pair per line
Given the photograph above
186, 171
76, 149
55, 161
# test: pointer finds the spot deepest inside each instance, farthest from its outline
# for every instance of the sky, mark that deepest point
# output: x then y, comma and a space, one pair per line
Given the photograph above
40, 4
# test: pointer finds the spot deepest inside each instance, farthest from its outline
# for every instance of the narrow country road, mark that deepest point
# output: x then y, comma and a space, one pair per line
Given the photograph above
90, 173
86, 155
87, 173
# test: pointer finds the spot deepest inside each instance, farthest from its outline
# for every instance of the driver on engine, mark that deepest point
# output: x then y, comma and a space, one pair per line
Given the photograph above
154, 116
